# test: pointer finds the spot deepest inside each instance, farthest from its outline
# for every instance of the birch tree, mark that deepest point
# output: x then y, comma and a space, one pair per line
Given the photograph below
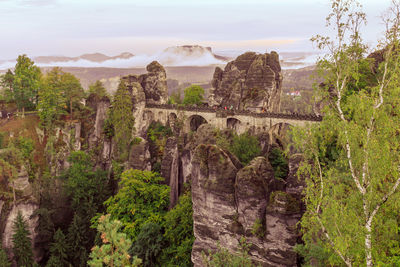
353, 156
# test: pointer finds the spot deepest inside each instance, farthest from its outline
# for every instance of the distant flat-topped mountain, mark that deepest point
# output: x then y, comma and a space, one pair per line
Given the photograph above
95, 57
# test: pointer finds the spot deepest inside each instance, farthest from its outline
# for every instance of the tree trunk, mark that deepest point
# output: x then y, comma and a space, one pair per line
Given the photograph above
70, 108
368, 254
23, 112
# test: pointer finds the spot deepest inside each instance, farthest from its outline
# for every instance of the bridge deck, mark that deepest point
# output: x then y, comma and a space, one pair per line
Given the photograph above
226, 113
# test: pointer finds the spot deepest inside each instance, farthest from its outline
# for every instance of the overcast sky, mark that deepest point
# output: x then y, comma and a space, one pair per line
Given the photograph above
73, 27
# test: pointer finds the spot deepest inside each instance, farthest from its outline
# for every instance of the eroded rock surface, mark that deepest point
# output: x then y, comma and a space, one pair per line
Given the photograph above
250, 82
230, 202
170, 169
26, 210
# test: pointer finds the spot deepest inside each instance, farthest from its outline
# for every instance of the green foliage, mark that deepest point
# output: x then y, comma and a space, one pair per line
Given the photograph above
26, 82
157, 134
122, 120
178, 234
79, 241
351, 165
175, 97
52, 100
98, 90
87, 189
149, 244
72, 90
224, 258
193, 95
108, 128
2, 141
258, 228
22, 247
58, 250
279, 163
26, 146
114, 250
7, 83
140, 199
4, 259
245, 147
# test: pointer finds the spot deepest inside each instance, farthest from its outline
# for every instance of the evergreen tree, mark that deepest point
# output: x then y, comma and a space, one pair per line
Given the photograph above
98, 90
149, 244
122, 120
58, 251
78, 241
114, 250
4, 262
22, 244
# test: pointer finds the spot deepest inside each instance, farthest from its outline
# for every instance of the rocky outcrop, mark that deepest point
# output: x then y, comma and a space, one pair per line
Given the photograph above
146, 88
154, 84
213, 197
230, 202
150, 87
251, 82
139, 156
101, 108
26, 209
170, 169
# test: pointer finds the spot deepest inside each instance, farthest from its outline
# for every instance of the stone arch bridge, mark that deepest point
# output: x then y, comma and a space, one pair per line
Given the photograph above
240, 121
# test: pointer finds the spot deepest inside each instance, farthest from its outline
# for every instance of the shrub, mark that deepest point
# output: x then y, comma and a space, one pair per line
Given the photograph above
245, 147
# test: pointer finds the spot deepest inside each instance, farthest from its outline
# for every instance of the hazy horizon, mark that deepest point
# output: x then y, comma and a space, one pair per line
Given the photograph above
72, 28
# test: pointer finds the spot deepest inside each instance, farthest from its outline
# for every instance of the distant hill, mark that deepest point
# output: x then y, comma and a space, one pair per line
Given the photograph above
95, 57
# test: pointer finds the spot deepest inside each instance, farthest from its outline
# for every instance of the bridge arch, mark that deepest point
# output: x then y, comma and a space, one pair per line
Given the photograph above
233, 124
193, 122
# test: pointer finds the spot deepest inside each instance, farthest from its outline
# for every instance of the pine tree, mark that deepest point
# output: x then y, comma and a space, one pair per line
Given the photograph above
22, 244
58, 250
114, 251
122, 119
78, 241
4, 262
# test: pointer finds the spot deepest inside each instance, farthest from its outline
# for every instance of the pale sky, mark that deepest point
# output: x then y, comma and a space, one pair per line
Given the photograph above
74, 27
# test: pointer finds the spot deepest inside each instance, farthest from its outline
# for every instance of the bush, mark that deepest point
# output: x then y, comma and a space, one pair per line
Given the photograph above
179, 233
245, 147
193, 95
223, 258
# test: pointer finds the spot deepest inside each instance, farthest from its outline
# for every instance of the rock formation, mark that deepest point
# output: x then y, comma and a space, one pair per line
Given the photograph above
250, 82
230, 202
170, 169
147, 88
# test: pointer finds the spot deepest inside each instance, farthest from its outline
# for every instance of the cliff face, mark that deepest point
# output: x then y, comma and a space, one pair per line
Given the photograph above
250, 82
230, 202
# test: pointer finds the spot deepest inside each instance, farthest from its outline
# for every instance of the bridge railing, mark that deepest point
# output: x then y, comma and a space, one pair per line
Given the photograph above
221, 112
